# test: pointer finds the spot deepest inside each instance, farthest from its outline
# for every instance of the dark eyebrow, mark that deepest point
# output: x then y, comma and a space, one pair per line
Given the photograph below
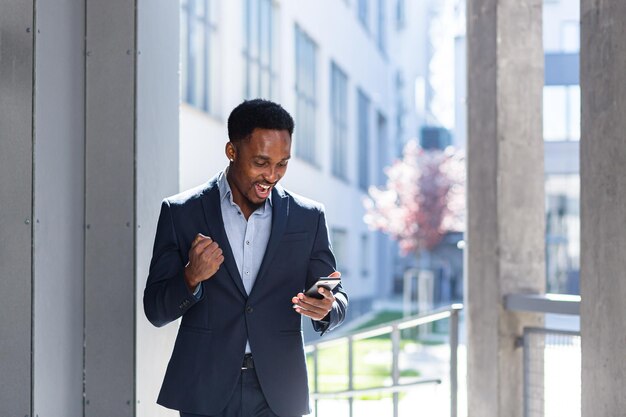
267, 158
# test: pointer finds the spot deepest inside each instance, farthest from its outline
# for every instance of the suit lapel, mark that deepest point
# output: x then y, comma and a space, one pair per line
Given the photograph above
280, 211
215, 222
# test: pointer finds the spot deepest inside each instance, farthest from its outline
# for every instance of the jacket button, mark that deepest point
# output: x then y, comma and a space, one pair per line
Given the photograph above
249, 310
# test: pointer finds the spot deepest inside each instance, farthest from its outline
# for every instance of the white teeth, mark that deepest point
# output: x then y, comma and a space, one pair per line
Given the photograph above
265, 187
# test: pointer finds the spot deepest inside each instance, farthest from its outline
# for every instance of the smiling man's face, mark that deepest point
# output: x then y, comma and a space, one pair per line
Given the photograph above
258, 163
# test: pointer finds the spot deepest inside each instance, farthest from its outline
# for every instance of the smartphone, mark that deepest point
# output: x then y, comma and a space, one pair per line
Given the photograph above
322, 282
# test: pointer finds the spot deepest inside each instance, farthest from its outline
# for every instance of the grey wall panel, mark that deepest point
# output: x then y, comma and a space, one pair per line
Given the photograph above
16, 115
157, 177
59, 209
109, 209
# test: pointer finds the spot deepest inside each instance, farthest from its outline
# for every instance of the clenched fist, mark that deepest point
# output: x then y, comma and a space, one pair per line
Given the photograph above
205, 258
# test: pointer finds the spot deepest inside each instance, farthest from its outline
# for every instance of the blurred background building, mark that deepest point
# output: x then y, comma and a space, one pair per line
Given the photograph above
359, 81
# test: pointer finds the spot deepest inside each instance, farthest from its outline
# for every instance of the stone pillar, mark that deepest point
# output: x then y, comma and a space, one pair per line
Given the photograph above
603, 207
505, 230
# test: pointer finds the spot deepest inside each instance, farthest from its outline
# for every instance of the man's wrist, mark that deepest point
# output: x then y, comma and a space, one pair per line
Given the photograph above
192, 285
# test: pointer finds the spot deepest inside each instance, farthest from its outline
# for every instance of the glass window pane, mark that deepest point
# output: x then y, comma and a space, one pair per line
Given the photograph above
574, 112
363, 12
381, 25
253, 48
554, 113
305, 96
339, 242
363, 138
195, 49
563, 233
570, 37
199, 8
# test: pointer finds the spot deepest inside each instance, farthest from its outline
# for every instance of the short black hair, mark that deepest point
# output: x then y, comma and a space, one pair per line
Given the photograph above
257, 113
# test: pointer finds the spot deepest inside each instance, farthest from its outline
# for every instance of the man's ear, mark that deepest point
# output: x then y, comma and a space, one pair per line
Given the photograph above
231, 151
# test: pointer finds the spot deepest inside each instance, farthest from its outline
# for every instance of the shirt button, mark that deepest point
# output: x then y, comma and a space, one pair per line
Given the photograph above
247, 242
247, 272
249, 310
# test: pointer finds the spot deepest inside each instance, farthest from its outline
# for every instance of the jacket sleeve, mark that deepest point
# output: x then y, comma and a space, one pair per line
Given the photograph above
321, 264
166, 296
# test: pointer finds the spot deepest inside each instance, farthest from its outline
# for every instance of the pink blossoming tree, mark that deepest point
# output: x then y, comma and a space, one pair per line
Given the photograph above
423, 199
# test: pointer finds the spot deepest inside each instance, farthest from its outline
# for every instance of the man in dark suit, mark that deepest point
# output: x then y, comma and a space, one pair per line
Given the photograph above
232, 258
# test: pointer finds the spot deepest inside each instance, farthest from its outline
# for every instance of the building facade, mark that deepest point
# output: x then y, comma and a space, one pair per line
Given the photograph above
341, 69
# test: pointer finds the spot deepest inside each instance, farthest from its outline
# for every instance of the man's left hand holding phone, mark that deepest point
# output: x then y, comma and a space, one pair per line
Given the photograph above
315, 308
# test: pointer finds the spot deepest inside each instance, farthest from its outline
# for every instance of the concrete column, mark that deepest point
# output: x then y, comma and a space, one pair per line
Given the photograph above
603, 207
505, 230
16, 205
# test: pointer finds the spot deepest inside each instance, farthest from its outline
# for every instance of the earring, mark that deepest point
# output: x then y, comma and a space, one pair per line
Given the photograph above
232, 160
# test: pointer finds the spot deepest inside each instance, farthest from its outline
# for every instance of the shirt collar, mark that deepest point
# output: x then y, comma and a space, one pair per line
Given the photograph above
226, 192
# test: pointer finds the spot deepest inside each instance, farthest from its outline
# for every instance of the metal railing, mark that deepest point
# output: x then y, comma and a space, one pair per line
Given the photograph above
393, 328
552, 372
551, 357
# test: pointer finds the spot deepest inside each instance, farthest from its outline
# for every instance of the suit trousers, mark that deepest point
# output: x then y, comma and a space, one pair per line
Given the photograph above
247, 399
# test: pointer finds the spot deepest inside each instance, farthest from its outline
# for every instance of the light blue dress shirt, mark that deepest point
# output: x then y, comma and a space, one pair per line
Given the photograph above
247, 238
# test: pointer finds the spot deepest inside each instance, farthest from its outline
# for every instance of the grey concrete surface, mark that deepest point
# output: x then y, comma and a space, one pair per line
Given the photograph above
58, 237
110, 208
505, 231
88, 148
156, 177
16, 205
603, 207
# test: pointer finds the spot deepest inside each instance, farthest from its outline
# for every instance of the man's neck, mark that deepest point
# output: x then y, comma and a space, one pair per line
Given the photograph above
246, 207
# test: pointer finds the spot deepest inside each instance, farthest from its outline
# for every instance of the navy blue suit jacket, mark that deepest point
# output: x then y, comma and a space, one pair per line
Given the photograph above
206, 361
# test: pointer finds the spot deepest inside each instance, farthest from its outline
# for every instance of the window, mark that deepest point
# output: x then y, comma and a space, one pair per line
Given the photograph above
365, 255
383, 146
563, 233
381, 32
339, 242
570, 36
561, 112
363, 13
339, 117
400, 14
306, 97
363, 105
197, 38
400, 114
258, 50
